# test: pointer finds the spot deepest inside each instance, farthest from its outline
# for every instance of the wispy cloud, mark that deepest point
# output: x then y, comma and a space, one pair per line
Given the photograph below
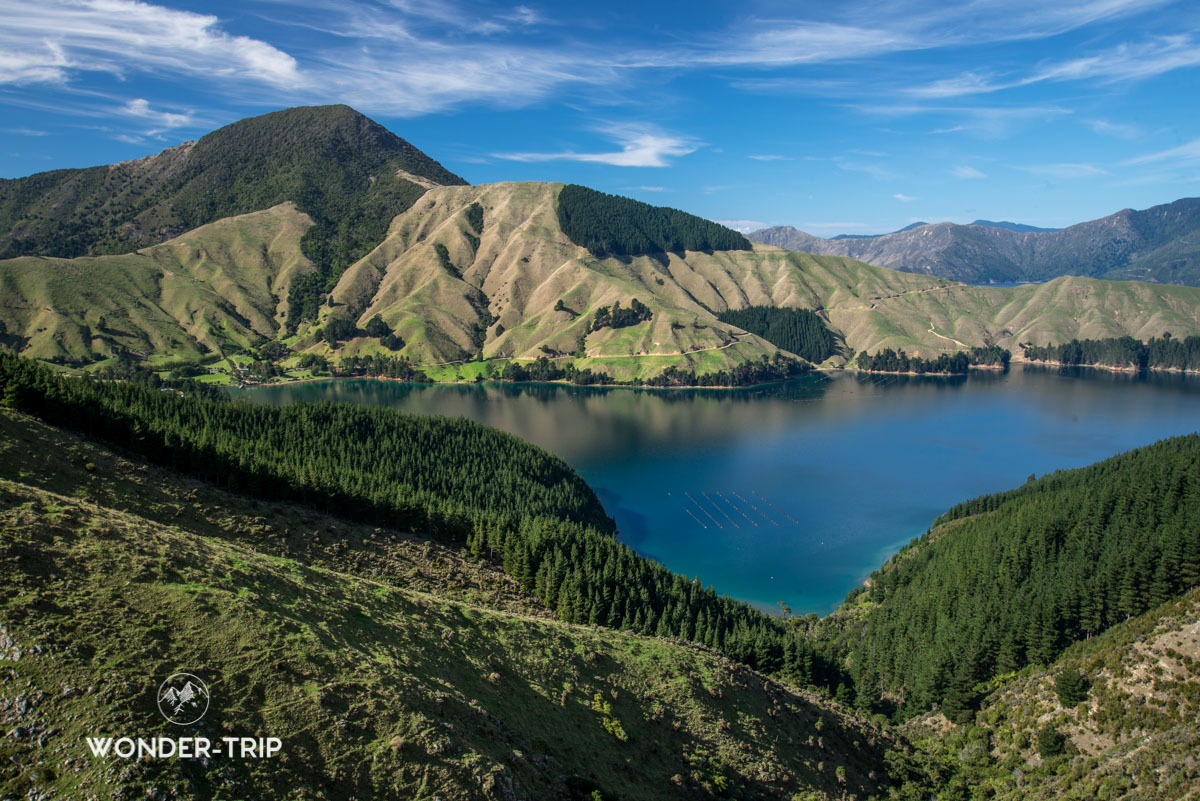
24, 131
1121, 130
1125, 62
1064, 171
876, 171
48, 41
770, 157
862, 30
989, 121
903, 198
1184, 154
641, 146
967, 172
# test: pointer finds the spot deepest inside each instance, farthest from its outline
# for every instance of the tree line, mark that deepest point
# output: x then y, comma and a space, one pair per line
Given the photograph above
611, 225
897, 361
776, 368
800, 331
1160, 353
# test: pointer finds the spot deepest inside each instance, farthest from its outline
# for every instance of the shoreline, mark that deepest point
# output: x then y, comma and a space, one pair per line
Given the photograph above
558, 382
996, 368
1112, 368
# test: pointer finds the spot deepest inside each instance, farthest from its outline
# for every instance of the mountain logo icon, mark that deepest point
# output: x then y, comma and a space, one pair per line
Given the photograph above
183, 699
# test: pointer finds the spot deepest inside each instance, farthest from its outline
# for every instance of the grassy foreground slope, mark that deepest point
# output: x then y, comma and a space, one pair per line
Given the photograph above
376, 686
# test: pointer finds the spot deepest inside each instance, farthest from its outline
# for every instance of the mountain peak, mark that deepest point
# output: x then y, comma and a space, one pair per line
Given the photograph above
336, 132
331, 161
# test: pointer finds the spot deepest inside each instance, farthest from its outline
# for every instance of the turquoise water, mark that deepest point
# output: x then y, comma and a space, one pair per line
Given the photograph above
795, 492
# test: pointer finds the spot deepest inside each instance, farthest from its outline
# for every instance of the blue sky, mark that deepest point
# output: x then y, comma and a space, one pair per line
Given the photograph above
853, 117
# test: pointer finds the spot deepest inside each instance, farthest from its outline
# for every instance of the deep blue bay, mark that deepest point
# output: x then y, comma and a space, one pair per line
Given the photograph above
796, 491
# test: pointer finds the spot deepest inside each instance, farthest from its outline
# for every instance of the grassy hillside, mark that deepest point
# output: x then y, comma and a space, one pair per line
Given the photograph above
521, 266
936, 321
218, 287
326, 635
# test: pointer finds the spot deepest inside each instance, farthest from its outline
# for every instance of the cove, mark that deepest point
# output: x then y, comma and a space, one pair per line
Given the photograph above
794, 492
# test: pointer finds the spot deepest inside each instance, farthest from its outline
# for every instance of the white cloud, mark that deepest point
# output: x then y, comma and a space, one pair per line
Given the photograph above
653, 188
640, 147
1064, 171
770, 157
411, 57
162, 120
965, 171
965, 84
903, 198
50, 40
807, 42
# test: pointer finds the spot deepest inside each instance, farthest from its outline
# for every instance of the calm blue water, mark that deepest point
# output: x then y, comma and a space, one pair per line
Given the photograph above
795, 492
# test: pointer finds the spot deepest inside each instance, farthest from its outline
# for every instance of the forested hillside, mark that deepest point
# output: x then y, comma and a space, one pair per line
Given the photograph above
413, 472
1012, 579
800, 331
1116, 716
611, 225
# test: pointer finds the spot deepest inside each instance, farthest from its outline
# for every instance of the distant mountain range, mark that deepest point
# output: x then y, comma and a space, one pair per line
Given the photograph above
1160, 244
